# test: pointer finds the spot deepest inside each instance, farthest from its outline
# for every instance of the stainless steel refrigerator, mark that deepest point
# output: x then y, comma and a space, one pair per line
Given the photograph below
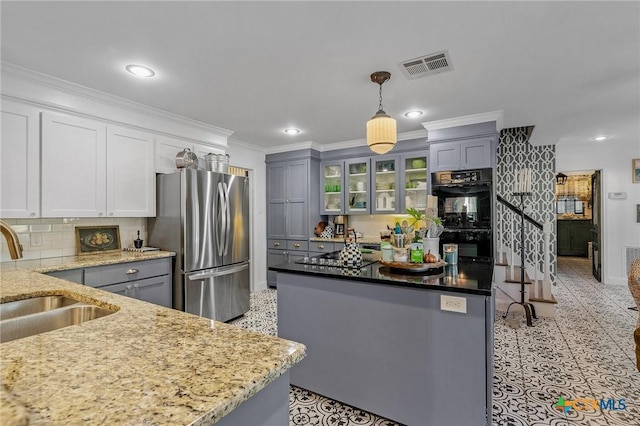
204, 218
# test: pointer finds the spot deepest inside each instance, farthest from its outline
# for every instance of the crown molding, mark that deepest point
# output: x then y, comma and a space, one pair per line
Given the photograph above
465, 120
47, 82
293, 147
416, 134
247, 145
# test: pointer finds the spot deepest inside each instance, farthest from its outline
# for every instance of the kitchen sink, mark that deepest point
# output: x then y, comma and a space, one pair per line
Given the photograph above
37, 315
34, 305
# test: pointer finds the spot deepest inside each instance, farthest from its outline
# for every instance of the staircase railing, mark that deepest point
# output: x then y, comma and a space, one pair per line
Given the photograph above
537, 254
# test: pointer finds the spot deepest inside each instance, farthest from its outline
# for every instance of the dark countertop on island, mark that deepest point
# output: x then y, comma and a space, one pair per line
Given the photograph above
469, 276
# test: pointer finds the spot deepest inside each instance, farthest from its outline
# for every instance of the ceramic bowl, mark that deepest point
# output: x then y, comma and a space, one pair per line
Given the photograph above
418, 163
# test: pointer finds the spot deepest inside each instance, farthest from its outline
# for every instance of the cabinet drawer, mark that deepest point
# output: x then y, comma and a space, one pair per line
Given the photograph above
155, 290
125, 272
276, 244
321, 246
298, 245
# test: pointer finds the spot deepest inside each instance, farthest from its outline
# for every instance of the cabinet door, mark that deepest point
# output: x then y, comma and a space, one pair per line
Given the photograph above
73, 166
444, 156
475, 154
20, 161
276, 208
385, 179
131, 174
274, 257
166, 151
124, 289
357, 185
581, 236
564, 238
414, 181
154, 290
297, 193
332, 181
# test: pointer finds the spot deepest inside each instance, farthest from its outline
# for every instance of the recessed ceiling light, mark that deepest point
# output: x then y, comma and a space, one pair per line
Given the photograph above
599, 138
413, 114
291, 131
140, 70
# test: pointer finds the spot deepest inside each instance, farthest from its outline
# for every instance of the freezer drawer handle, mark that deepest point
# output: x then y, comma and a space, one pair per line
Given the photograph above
132, 271
217, 273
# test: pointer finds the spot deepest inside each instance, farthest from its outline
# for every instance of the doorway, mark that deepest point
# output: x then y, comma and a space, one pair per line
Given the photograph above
579, 216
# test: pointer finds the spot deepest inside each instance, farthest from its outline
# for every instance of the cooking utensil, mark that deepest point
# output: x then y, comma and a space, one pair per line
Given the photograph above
186, 159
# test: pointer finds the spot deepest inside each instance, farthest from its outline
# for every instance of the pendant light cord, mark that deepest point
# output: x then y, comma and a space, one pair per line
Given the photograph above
380, 106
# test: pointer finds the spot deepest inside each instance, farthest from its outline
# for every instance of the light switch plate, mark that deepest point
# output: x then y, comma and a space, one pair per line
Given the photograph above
453, 304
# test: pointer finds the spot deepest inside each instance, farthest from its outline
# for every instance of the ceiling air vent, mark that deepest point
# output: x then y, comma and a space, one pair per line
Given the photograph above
427, 65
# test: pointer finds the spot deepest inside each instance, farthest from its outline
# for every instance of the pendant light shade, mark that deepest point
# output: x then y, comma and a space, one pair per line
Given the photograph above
381, 133
381, 129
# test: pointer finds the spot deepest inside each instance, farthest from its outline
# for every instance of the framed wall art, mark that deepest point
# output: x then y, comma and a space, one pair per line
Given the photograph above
97, 239
635, 169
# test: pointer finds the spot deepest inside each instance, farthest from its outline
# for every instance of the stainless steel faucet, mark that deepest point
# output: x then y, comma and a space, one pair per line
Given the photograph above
15, 248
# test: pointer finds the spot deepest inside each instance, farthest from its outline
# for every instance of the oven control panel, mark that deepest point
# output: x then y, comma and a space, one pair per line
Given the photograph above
461, 177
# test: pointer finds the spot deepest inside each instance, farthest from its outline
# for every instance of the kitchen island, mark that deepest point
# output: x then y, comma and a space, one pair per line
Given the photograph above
143, 364
414, 348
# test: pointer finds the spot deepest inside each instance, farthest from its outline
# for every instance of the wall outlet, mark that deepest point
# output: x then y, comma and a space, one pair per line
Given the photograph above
453, 304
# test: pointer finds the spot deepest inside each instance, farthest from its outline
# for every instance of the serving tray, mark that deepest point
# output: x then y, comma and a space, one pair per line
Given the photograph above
412, 267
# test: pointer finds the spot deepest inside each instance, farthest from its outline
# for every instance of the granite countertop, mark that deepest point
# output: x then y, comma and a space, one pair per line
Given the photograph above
88, 260
469, 276
143, 364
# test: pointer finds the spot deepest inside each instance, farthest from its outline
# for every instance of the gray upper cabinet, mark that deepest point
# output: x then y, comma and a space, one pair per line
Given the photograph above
332, 185
287, 192
414, 180
461, 155
385, 184
357, 185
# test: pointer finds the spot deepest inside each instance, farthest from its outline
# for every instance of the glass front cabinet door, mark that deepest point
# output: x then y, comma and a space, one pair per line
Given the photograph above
385, 185
332, 181
415, 180
357, 186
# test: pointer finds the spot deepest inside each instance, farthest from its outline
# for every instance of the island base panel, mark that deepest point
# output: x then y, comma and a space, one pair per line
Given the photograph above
269, 407
388, 349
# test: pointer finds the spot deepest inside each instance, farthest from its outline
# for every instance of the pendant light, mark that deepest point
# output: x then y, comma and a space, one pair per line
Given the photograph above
381, 129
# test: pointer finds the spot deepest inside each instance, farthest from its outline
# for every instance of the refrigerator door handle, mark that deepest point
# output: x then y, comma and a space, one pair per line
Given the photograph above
218, 272
222, 214
228, 214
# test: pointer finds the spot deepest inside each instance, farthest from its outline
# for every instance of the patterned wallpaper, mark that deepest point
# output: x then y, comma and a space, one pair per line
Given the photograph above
515, 153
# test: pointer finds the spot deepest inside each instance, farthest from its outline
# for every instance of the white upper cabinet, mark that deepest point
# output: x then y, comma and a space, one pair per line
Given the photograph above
167, 148
166, 151
91, 169
20, 161
73, 166
130, 173
202, 150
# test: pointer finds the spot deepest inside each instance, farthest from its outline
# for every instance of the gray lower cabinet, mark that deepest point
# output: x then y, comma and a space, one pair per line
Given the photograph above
148, 280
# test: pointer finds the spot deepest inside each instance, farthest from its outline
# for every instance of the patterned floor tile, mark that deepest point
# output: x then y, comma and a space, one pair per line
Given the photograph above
586, 351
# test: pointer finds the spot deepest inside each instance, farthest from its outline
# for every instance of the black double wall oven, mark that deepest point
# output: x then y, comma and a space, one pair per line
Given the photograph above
465, 204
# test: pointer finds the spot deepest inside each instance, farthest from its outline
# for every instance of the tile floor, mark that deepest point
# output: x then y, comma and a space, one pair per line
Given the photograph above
586, 351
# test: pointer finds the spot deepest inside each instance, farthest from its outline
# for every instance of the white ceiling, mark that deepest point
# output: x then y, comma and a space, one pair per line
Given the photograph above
572, 69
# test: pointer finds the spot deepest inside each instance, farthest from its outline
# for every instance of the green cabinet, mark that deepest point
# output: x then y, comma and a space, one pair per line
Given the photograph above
574, 237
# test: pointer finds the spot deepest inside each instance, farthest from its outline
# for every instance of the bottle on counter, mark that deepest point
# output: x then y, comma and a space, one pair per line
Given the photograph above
417, 250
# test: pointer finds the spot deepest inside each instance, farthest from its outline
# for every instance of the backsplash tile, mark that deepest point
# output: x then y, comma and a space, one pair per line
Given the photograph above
54, 237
